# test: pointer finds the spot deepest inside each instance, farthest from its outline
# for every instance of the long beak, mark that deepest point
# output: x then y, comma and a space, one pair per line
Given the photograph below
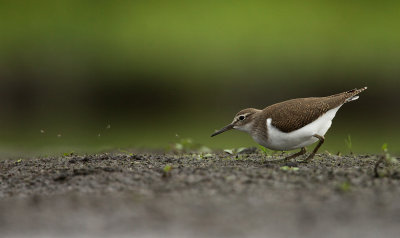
227, 128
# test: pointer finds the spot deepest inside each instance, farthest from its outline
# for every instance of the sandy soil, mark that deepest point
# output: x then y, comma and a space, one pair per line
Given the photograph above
188, 195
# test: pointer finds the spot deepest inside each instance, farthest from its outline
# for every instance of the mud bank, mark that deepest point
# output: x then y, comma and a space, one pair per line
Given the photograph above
190, 195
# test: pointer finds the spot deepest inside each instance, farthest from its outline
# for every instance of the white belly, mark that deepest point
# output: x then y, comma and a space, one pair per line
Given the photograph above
278, 140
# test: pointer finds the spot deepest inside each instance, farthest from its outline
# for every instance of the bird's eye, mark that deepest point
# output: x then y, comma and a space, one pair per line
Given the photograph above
241, 118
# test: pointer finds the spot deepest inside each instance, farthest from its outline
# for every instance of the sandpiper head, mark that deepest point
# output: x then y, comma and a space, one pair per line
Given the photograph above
242, 121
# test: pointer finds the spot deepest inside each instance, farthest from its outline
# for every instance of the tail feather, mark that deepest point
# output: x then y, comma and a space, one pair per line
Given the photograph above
356, 91
352, 94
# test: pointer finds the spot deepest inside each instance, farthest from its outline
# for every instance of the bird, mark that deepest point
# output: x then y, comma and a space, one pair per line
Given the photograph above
292, 124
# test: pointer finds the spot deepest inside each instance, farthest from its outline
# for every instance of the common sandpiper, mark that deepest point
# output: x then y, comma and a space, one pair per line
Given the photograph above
292, 124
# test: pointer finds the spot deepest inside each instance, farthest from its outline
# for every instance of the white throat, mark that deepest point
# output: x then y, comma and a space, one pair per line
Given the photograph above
246, 128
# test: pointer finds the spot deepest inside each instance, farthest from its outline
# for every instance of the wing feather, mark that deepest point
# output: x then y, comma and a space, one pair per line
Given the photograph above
293, 114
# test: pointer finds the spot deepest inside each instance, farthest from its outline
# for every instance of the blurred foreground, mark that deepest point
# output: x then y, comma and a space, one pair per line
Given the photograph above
150, 195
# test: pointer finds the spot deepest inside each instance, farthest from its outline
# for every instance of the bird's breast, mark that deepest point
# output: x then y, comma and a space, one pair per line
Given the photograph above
304, 136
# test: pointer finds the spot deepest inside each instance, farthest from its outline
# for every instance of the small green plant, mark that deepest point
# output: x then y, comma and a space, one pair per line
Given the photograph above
344, 186
391, 162
388, 158
188, 145
167, 170
69, 153
184, 144
125, 152
19, 161
235, 151
239, 157
206, 156
349, 144
287, 168
266, 151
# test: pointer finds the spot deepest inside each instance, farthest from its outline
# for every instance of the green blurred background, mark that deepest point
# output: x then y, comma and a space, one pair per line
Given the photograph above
101, 75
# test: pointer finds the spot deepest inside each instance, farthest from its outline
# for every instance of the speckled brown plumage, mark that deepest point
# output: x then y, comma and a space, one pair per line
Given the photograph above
289, 116
293, 114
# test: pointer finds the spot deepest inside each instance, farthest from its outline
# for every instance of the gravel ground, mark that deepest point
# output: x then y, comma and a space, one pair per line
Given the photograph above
189, 195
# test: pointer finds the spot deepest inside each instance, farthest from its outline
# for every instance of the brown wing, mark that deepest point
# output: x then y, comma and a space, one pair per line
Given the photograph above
293, 114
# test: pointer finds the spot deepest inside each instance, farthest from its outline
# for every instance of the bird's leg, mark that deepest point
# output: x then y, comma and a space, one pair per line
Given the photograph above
301, 152
321, 141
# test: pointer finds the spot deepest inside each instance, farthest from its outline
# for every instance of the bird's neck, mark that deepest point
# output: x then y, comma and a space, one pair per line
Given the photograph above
259, 127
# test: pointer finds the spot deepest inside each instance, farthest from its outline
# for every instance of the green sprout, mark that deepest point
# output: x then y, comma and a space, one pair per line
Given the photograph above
188, 145
69, 153
167, 170
266, 151
345, 186
386, 159
385, 147
349, 144
206, 156
125, 152
287, 168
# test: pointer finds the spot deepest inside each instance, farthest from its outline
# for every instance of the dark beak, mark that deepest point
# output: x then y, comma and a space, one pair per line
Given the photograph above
227, 128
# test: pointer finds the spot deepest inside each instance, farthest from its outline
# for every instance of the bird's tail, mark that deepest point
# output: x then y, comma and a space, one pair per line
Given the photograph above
351, 95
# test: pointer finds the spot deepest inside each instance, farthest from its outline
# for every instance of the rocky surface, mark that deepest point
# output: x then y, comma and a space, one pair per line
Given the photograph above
192, 195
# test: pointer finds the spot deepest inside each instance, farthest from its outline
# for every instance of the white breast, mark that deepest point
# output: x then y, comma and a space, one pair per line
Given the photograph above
278, 140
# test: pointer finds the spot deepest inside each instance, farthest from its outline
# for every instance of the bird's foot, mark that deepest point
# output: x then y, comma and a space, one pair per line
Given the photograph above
289, 158
308, 159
